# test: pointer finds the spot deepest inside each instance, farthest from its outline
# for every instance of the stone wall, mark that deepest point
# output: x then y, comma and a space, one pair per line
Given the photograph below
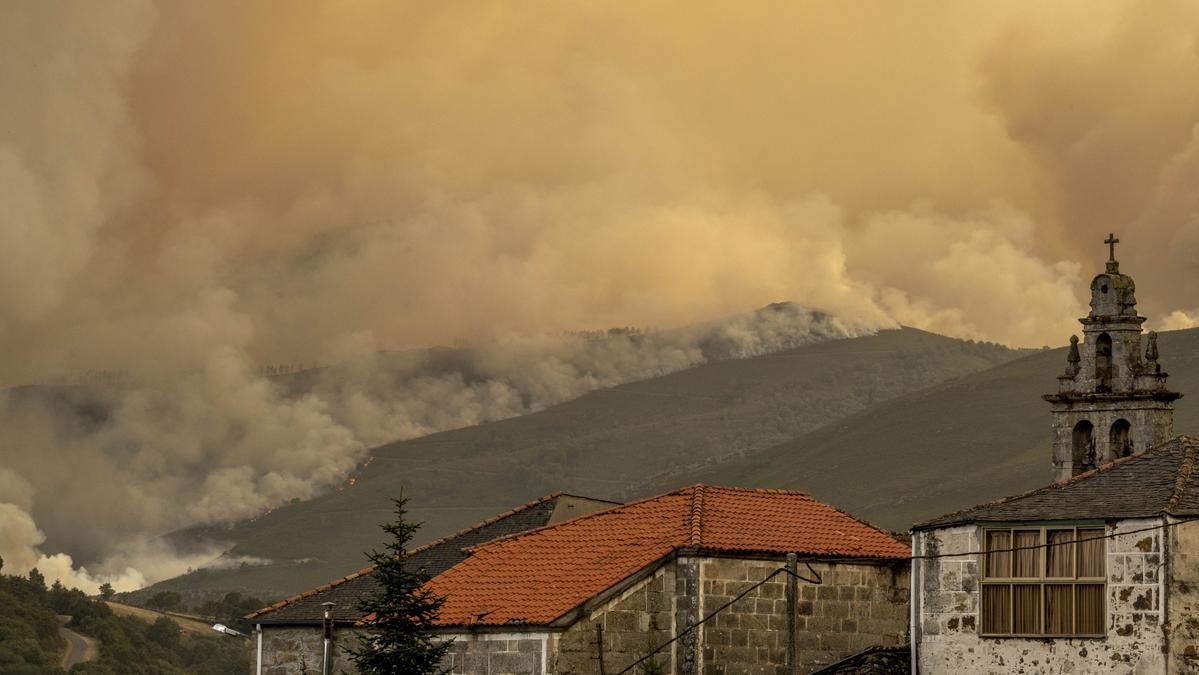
1152, 423
857, 606
1182, 599
483, 653
634, 622
299, 650
948, 597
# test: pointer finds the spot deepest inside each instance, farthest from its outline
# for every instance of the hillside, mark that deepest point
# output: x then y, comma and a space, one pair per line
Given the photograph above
954, 445
605, 444
31, 643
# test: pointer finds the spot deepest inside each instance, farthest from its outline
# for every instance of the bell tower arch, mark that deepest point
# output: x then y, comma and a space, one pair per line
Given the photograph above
1110, 402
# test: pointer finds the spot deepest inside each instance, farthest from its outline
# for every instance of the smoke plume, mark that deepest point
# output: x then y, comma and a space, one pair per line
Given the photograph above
191, 191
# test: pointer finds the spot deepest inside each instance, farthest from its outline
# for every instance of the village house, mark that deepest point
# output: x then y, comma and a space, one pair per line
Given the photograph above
619, 583
289, 635
1098, 572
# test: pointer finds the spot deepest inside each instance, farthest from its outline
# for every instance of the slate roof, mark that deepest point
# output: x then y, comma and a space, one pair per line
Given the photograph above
436, 557
539, 576
1161, 480
873, 661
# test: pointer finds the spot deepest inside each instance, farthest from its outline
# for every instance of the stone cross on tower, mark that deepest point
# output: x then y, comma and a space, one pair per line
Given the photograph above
1109, 402
1113, 267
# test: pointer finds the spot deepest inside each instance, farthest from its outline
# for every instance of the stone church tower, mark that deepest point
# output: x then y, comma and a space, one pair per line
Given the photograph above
1110, 402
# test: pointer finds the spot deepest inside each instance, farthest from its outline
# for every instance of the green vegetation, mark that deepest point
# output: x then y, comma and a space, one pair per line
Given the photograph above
398, 639
30, 643
29, 639
616, 443
229, 609
165, 601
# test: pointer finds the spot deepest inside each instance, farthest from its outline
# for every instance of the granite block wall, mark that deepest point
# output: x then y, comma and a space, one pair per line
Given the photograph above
857, 606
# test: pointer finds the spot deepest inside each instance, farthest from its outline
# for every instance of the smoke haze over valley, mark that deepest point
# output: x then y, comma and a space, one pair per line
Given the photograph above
424, 199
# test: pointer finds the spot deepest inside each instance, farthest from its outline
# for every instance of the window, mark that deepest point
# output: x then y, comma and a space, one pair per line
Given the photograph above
1103, 362
1046, 581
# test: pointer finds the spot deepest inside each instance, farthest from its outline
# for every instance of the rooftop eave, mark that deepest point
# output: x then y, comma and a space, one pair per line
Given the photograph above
1069, 397
1110, 320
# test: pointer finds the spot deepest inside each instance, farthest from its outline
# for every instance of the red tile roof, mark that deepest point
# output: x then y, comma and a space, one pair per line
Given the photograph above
536, 577
371, 568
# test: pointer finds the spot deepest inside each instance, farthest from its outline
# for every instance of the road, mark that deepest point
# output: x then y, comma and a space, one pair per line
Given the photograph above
80, 648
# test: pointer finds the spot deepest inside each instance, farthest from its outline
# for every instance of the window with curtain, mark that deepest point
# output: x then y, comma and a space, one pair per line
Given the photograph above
1045, 581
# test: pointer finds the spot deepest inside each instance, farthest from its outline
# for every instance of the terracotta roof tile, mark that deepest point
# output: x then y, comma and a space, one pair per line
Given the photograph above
435, 557
537, 576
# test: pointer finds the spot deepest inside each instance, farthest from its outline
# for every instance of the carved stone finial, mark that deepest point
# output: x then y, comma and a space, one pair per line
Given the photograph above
1072, 358
1151, 353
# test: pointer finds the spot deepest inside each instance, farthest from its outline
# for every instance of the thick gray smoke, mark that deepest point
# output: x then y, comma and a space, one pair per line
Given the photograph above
221, 443
191, 190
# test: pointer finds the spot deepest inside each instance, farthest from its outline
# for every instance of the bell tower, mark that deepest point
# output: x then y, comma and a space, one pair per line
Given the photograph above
1110, 402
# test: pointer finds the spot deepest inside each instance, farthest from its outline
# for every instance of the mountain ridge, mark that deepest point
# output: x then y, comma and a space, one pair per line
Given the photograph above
602, 445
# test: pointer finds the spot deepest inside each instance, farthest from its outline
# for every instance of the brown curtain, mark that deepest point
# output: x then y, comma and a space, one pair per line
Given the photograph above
1059, 609
1028, 558
999, 565
1060, 553
1090, 553
1026, 609
997, 609
1092, 619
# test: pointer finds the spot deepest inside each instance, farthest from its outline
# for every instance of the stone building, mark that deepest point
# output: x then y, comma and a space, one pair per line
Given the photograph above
1098, 572
1104, 577
290, 634
1110, 402
621, 582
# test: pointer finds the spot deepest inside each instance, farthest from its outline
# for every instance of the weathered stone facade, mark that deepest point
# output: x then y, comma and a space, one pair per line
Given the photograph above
947, 593
859, 605
299, 650
496, 652
1182, 596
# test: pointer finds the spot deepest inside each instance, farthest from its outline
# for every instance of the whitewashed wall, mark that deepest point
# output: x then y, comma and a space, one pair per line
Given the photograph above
947, 593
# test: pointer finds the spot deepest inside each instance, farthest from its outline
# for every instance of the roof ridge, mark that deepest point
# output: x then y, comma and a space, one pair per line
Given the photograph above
1185, 468
538, 530
370, 568
766, 491
695, 518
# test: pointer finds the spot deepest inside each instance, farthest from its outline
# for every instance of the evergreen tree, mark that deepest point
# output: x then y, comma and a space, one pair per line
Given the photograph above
401, 613
107, 591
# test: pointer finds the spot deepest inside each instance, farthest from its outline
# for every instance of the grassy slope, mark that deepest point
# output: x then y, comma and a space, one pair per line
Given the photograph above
614, 443
936, 451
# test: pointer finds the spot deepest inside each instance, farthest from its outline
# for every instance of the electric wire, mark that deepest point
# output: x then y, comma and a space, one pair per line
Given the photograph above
818, 580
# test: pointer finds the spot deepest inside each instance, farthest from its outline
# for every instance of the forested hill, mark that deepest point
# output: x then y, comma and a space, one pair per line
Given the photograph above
935, 451
30, 643
607, 444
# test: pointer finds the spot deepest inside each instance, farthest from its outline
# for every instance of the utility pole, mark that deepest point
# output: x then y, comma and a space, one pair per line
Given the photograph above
599, 646
792, 592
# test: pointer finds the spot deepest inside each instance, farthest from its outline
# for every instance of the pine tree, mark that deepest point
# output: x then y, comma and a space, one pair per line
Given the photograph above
397, 640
